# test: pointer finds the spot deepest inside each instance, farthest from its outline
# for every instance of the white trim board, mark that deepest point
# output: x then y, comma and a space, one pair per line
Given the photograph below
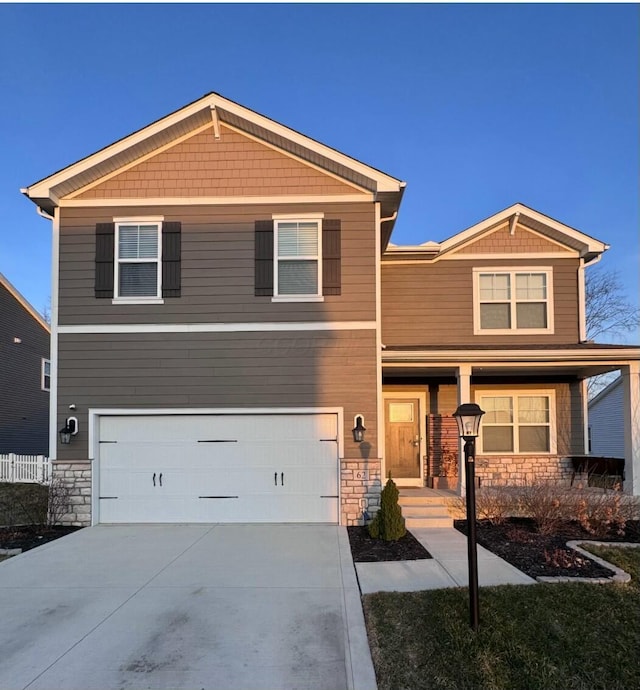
217, 200
219, 327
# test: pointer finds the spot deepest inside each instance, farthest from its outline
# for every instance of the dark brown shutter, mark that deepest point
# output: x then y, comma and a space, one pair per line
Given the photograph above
264, 257
331, 257
105, 235
171, 255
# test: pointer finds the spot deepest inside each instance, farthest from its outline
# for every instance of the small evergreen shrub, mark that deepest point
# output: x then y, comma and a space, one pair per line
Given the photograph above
388, 524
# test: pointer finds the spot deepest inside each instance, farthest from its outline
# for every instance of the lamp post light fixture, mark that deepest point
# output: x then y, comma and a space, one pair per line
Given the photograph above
69, 429
468, 418
359, 429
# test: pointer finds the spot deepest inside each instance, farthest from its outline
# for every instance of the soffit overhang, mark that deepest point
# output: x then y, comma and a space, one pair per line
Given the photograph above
581, 361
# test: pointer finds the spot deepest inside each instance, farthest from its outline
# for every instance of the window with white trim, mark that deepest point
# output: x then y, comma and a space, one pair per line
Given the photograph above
138, 267
297, 258
513, 301
45, 376
517, 423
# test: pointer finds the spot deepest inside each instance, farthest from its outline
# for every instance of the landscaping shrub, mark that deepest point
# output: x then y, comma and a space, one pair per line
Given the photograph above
603, 513
388, 523
545, 503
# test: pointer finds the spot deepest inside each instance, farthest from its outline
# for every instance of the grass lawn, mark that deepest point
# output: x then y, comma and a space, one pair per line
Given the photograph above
543, 636
23, 504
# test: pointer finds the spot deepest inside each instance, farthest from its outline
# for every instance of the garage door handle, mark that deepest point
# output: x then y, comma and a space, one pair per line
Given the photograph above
282, 478
160, 478
154, 478
275, 478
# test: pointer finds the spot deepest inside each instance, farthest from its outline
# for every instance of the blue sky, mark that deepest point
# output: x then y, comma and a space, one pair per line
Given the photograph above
475, 106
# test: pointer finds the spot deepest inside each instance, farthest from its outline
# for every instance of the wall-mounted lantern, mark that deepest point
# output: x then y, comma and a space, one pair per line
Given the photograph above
359, 429
69, 429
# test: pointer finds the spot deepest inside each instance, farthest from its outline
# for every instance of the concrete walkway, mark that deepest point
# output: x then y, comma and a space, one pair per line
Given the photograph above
233, 607
447, 568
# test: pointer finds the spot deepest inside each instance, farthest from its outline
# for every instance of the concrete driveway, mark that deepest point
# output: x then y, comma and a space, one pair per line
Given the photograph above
185, 606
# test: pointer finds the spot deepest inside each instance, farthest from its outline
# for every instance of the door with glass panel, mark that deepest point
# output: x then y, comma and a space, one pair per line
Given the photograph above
402, 440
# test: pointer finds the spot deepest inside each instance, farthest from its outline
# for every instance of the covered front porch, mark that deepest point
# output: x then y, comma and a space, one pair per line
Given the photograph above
535, 403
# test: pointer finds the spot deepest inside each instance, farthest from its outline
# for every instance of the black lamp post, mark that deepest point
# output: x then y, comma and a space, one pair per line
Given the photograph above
468, 418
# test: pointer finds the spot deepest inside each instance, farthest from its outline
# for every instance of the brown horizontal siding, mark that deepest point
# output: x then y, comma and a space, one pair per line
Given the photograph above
217, 268
233, 165
218, 370
501, 241
432, 304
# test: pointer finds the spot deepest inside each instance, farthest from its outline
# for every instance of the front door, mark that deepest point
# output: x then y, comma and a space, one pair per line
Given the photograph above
402, 440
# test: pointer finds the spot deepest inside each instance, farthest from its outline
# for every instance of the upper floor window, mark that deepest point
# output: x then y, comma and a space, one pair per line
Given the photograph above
298, 258
45, 377
138, 261
512, 301
517, 423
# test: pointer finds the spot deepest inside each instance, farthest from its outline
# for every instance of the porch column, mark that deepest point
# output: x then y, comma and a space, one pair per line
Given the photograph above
464, 396
631, 386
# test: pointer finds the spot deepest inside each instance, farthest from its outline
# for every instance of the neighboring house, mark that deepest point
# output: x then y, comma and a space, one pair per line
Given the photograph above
228, 305
25, 375
606, 421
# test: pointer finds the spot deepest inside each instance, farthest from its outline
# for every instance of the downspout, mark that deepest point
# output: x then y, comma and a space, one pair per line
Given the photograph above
379, 345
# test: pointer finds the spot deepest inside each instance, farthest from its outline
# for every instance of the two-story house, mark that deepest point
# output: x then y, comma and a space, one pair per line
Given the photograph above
227, 309
25, 375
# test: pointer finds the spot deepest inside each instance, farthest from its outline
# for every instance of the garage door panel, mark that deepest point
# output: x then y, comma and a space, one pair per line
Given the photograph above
219, 468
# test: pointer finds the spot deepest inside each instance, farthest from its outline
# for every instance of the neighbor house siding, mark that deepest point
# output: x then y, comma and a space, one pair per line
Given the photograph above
218, 370
233, 165
24, 406
218, 265
432, 303
606, 422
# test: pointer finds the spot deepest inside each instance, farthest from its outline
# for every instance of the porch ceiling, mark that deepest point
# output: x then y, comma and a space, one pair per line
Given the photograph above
581, 361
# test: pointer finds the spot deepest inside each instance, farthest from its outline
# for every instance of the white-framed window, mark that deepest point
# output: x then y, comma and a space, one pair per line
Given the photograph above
517, 422
511, 301
45, 375
138, 259
297, 274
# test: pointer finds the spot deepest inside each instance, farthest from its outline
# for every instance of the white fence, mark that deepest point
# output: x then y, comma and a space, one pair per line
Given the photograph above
25, 468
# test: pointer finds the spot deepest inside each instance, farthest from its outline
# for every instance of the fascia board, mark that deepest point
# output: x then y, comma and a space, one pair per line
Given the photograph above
385, 182
42, 187
513, 356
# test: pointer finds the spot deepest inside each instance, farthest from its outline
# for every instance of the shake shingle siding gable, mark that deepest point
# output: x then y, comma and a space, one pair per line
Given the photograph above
24, 406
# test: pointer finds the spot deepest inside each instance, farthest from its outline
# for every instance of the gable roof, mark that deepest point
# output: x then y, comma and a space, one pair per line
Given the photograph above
13, 291
605, 392
586, 246
46, 193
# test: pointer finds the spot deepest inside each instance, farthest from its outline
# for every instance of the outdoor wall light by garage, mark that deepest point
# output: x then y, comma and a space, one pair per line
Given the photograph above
359, 429
468, 418
69, 429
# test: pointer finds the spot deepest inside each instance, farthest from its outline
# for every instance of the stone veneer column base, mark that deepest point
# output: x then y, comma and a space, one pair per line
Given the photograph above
360, 488
74, 477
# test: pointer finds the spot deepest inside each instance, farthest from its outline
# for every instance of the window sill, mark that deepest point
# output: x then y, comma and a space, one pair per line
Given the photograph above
513, 331
137, 300
301, 298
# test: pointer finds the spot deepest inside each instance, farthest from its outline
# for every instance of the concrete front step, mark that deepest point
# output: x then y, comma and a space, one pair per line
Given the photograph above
424, 509
428, 522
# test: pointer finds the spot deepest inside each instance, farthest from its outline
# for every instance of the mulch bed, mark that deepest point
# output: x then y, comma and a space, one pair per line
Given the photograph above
29, 537
517, 542
364, 549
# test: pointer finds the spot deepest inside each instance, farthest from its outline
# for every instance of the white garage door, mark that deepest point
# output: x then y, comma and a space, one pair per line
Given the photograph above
218, 468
